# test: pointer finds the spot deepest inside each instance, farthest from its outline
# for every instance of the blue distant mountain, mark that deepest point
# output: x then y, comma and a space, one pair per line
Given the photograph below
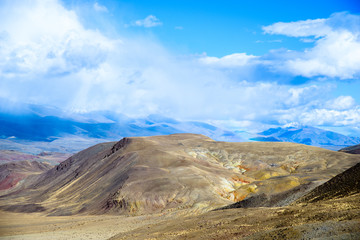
47, 128
34, 124
307, 135
36, 128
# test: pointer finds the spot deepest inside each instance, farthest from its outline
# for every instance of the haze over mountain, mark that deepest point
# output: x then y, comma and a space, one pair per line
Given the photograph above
34, 129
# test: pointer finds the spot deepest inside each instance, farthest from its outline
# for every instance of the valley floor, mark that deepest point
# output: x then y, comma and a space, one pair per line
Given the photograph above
335, 219
33, 226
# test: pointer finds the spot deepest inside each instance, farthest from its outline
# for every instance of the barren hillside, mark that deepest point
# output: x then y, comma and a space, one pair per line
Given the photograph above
168, 173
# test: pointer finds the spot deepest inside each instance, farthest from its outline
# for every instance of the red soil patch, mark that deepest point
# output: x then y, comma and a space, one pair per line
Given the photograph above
11, 180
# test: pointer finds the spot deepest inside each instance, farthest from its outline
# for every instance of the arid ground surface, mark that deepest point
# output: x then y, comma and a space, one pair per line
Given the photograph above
38, 226
339, 219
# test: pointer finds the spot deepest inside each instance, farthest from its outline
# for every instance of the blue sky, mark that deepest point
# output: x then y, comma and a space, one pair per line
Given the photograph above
216, 27
239, 64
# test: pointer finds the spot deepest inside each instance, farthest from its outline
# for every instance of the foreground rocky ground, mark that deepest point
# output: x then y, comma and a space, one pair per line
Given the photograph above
334, 219
339, 219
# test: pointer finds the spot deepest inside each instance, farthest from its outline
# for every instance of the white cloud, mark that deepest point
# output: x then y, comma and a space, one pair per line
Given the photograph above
341, 103
51, 41
331, 117
99, 8
229, 61
316, 27
336, 53
149, 21
314, 111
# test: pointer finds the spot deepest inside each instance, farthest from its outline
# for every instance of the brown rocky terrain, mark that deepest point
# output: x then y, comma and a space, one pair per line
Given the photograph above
332, 219
182, 171
330, 211
170, 180
344, 184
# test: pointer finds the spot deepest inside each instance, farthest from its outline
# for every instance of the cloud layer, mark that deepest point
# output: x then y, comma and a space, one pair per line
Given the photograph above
47, 56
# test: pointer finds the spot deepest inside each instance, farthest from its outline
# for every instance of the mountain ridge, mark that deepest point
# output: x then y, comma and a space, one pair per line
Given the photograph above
307, 135
50, 129
352, 149
191, 172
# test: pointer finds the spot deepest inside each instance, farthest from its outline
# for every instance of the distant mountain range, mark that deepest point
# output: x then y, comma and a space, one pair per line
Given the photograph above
34, 129
307, 135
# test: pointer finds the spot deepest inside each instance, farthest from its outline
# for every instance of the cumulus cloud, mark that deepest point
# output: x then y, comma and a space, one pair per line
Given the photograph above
331, 117
51, 41
149, 21
341, 103
336, 51
44, 46
312, 110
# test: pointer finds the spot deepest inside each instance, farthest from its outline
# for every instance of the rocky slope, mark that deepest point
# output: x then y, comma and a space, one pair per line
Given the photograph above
344, 184
332, 219
352, 149
168, 173
331, 211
